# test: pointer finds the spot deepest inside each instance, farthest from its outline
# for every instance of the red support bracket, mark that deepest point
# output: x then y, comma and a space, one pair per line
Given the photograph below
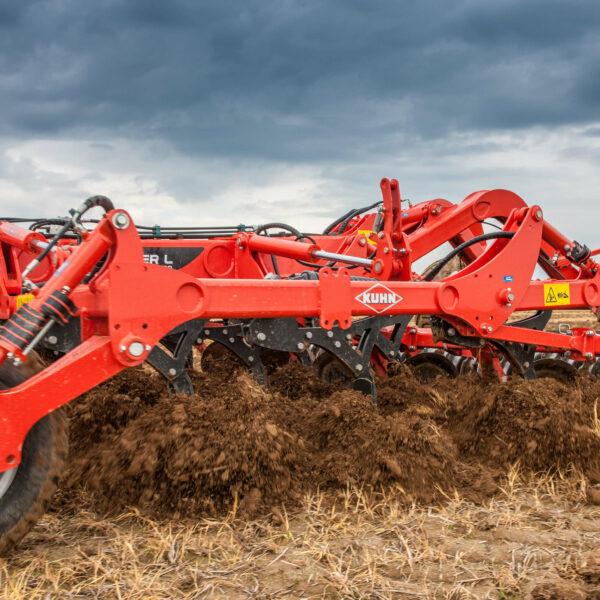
336, 298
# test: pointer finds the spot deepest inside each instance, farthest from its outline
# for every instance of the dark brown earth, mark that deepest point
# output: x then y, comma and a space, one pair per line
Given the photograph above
236, 446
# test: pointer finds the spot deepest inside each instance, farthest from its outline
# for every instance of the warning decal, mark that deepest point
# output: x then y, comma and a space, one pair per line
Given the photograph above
367, 233
24, 299
556, 294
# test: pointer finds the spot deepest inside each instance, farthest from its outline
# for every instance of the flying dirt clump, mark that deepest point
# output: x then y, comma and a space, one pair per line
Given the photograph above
236, 446
189, 455
541, 424
355, 443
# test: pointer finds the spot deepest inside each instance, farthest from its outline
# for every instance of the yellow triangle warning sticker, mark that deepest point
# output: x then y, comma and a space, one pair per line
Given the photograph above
557, 294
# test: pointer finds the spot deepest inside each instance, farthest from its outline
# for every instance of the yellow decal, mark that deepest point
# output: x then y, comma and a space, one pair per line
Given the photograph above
23, 299
556, 294
367, 233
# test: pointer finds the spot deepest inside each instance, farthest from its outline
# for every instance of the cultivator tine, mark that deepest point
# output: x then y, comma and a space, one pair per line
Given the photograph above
232, 337
522, 357
537, 321
176, 355
290, 336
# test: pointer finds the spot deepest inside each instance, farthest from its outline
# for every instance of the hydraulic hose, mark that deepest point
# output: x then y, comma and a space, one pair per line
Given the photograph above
494, 235
345, 219
76, 215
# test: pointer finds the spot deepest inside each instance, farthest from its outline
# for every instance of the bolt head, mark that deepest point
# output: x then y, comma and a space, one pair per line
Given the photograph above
337, 344
330, 334
52, 339
362, 241
451, 332
148, 347
172, 372
136, 349
300, 346
251, 359
589, 355
590, 333
225, 331
121, 220
308, 335
261, 337
359, 367
377, 267
386, 250
231, 340
380, 235
392, 353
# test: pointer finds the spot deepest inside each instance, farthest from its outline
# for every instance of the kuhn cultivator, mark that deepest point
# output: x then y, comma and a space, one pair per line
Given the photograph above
114, 296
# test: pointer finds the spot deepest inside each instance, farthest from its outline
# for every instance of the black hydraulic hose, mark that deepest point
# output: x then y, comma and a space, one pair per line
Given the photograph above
337, 221
299, 236
357, 212
91, 202
494, 235
345, 219
283, 226
46, 222
49, 247
102, 201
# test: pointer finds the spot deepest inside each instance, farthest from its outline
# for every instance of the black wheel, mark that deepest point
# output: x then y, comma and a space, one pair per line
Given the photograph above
555, 368
427, 366
331, 370
26, 490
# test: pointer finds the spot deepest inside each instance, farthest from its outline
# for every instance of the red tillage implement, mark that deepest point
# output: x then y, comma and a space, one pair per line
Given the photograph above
116, 296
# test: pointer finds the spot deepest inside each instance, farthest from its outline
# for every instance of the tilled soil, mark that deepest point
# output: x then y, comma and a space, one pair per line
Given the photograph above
236, 446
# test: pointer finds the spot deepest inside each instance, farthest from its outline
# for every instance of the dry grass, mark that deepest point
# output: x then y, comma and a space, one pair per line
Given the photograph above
351, 545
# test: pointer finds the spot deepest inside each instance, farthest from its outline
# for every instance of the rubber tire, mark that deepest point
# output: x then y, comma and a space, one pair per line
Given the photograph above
42, 460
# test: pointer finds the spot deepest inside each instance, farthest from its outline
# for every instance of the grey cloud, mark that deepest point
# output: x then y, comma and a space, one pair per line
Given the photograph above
295, 80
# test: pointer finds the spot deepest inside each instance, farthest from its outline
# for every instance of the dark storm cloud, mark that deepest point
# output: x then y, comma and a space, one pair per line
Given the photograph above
295, 80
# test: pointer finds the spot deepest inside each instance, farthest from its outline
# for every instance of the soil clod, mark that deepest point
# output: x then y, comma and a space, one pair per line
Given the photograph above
237, 447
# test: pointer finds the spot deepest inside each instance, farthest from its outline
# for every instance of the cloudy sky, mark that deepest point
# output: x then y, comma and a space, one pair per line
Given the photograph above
208, 112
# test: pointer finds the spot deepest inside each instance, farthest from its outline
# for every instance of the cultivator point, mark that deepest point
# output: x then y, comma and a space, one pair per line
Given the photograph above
99, 297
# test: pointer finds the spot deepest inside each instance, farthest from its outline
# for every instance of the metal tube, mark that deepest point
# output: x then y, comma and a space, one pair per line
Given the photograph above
353, 260
39, 244
41, 333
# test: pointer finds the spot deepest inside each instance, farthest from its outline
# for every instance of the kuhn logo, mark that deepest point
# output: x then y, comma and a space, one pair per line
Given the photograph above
379, 298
